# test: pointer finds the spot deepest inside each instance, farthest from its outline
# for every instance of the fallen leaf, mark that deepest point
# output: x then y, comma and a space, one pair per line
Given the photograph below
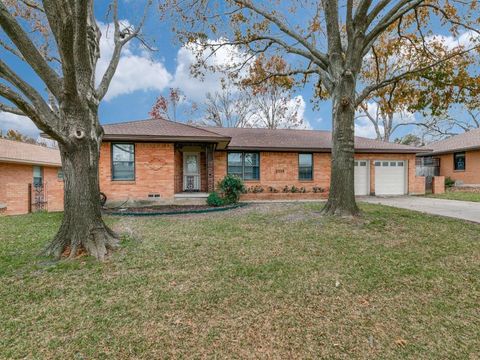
401, 342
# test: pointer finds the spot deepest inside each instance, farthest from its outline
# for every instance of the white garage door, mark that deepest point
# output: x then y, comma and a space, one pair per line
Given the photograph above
361, 178
390, 177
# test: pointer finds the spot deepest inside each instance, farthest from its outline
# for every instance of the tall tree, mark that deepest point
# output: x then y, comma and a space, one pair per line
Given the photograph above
272, 98
16, 135
241, 102
59, 40
431, 94
167, 107
450, 124
328, 42
229, 107
410, 139
253, 100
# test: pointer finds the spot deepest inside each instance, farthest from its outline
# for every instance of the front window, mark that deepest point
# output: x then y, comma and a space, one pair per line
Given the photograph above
123, 162
459, 161
305, 167
37, 176
244, 165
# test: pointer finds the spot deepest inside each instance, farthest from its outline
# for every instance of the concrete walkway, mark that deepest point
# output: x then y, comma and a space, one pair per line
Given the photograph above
465, 210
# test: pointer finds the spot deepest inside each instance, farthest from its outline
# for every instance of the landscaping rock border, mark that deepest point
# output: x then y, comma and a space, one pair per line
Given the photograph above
181, 212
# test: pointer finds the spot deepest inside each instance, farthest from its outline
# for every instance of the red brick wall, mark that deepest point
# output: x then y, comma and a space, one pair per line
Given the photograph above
159, 170
203, 172
419, 186
54, 189
178, 171
438, 185
278, 169
154, 173
472, 173
14, 180
220, 165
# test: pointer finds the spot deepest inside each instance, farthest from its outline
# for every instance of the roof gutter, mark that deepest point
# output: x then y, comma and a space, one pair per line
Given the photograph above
451, 151
325, 150
152, 138
29, 162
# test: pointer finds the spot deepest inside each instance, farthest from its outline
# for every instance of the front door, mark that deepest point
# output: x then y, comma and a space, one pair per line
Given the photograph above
191, 172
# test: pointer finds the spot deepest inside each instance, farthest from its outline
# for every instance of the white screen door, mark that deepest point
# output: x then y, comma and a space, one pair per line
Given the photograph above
191, 171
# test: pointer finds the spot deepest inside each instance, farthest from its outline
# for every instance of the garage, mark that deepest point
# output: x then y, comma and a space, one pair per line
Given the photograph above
362, 184
390, 177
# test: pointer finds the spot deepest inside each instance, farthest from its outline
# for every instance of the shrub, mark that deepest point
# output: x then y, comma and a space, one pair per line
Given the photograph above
317, 189
258, 189
255, 189
449, 182
214, 199
231, 187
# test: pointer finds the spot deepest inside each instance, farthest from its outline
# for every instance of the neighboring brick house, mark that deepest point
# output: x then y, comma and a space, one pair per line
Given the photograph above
30, 178
163, 161
458, 157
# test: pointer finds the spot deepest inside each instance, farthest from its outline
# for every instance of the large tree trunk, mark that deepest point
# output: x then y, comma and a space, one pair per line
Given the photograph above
82, 228
341, 200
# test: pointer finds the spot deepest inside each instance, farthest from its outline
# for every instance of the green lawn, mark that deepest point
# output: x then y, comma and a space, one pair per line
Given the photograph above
265, 281
458, 195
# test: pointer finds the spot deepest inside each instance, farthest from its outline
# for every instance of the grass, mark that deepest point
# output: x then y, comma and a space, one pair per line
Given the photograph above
268, 281
458, 195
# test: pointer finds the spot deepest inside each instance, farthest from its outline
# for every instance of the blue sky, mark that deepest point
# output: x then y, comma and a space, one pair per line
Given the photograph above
143, 75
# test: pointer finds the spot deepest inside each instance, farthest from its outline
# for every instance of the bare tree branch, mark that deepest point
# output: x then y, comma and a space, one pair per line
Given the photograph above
323, 58
403, 7
369, 89
11, 49
11, 109
333, 30
33, 5
120, 39
291, 49
28, 91
29, 51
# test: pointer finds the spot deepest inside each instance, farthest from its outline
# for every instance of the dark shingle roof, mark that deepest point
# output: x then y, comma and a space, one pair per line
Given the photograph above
24, 153
466, 141
154, 129
243, 138
280, 139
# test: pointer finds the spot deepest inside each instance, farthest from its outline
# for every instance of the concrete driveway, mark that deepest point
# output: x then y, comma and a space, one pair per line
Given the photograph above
465, 210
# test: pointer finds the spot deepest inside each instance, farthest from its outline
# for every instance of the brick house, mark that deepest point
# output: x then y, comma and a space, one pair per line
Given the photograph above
167, 162
458, 157
30, 178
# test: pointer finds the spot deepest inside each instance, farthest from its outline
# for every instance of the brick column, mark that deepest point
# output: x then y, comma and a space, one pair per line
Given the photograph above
438, 186
210, 168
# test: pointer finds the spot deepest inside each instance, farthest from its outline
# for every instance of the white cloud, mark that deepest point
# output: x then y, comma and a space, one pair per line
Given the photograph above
467, 40
136, 70
20, 123
298, 104
365, 128
226, 57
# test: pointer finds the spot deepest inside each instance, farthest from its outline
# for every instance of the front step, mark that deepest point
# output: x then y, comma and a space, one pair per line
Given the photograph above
190, 198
